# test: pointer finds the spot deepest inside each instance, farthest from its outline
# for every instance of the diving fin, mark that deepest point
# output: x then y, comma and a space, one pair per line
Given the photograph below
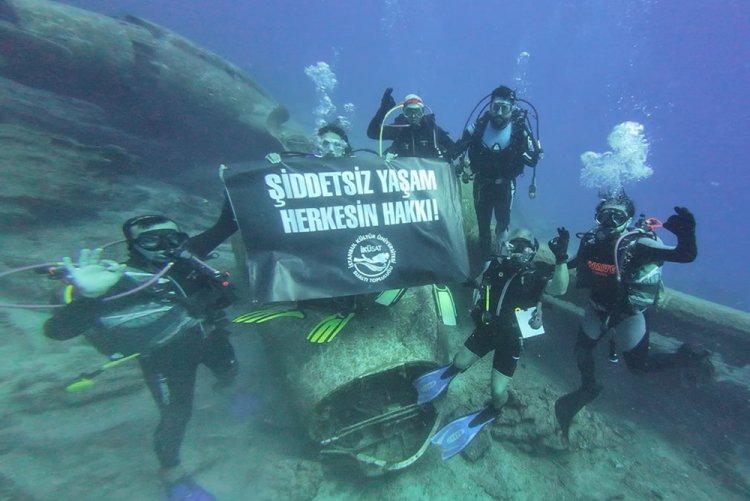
456, 435
431, 384
567, 406
446, 307
187, 489
327, 329
390, 297
260, 316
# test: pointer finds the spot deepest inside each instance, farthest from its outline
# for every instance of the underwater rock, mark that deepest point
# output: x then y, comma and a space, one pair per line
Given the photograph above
528, 422
67, 120
149, 81
31, 159
477, 449
50, 179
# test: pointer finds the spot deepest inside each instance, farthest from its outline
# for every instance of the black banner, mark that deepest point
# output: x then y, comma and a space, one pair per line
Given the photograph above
317, 228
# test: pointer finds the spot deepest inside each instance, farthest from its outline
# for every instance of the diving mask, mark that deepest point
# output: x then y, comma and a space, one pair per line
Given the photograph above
612, 217
414, 114
161, 240
520, 250
333, 147
501, 108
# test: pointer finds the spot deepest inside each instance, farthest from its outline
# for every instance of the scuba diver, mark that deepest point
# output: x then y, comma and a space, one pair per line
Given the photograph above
621, 267
499, 144
165, 307
332, 143
414, 133
508, 295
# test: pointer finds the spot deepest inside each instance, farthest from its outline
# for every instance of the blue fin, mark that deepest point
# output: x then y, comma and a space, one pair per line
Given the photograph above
186, 489
431, 384
456, 435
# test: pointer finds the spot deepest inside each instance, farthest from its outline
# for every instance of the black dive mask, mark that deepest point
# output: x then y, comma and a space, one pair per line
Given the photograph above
611, 218
611, 222
520, 251
413, 114
166, 240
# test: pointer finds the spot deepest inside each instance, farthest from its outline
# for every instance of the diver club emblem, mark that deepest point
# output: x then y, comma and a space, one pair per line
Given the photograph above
371, 258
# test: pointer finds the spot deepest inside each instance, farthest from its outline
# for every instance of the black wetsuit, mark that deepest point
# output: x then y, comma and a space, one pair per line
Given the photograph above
427, 140
496, 167
610, 306
501, 333
175, 324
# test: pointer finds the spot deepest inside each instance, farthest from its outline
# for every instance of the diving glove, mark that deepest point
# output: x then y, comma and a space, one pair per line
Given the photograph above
387, 102
682, 223
559, 245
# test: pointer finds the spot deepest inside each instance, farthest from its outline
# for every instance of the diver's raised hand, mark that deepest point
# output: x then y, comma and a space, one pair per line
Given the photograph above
536, 321
387, 102
559, 245
681, 223
93, 276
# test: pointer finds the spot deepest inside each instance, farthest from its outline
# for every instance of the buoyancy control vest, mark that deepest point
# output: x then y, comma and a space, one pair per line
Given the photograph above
142, 322
416, 141
613, 271
499, 163
503, 288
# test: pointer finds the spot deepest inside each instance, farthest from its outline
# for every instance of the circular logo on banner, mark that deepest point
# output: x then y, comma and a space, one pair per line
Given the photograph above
371, 258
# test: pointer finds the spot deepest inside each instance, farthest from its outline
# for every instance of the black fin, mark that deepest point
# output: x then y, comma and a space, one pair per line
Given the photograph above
567, 406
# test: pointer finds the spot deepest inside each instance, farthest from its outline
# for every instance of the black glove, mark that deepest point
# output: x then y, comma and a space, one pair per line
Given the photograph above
387, 102
559, 245
682, 223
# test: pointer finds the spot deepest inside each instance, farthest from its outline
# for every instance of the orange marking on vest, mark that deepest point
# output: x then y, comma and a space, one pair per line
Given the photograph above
603, 269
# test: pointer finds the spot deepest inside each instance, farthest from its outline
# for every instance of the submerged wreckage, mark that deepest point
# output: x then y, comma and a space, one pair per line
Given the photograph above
355, 394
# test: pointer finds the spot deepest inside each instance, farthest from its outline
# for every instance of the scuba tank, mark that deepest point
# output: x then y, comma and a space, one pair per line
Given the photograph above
643, 284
